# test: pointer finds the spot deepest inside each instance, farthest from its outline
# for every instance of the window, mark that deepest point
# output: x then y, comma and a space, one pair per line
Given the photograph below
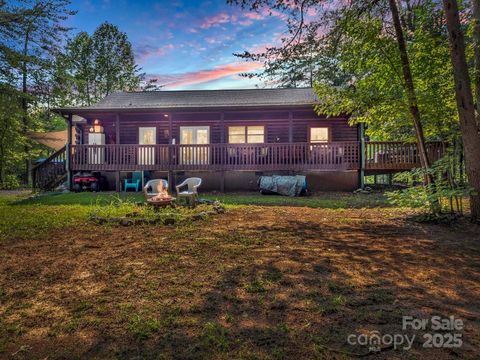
319, 135
147, 135
246, 134
236, 134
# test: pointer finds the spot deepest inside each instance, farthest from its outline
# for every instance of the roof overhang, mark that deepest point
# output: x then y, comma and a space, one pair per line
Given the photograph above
87, 110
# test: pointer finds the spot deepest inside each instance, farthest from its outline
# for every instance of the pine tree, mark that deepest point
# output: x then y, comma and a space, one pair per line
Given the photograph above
31, 33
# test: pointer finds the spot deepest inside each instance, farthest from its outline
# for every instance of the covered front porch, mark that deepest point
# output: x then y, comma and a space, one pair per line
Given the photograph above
367, 157
216, 157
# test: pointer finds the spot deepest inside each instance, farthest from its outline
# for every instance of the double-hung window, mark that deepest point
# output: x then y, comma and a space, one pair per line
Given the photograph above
246, 134
319, 135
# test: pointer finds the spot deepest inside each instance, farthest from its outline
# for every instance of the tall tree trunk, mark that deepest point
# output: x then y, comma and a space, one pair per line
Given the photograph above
476, 41
409, 87
466, 108
2, 155
25, 106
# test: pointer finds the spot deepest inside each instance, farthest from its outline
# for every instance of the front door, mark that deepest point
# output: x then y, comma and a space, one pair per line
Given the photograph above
147, 136
194, 135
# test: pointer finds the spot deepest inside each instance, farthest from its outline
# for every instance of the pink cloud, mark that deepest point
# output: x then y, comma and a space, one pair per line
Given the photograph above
246, 22
253, 15
206, 75
243, 19
312, 12
264, 13
215, 20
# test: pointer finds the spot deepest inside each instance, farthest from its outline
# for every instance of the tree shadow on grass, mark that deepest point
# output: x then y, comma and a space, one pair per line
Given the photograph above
303, 301
307, 286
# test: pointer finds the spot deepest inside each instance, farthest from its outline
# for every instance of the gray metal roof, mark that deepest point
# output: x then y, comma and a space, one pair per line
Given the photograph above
203, 99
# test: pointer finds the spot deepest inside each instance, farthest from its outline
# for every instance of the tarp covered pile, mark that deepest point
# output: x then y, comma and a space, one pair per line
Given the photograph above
283, 185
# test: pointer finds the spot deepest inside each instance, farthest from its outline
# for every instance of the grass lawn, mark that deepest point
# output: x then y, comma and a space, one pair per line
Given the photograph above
291, 280
330, 200
24, 216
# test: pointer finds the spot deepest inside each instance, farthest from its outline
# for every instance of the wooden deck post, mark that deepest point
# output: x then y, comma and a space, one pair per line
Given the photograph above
222, 127
117, 129
290, 127
171, 181
361, 131
170, 128
118, 187
222, 140
69, 154
222, 181
170, 174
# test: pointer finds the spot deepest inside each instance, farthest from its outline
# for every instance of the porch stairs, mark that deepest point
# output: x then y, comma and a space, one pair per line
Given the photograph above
50, 173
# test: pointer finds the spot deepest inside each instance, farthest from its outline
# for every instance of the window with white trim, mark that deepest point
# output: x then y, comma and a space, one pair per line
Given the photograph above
246, 134
319, 135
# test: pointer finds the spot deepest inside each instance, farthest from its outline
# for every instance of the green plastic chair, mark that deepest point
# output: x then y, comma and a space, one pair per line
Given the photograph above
134, 183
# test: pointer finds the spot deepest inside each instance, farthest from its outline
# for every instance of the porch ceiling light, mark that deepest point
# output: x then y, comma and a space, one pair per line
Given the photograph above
97, 127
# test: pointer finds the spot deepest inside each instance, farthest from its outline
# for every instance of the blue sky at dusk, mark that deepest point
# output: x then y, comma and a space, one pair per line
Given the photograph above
186, 44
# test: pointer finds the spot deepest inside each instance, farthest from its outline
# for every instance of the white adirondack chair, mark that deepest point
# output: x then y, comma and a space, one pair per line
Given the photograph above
190, 190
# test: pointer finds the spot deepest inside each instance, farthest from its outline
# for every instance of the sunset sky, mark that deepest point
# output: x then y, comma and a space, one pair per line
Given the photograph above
186, 44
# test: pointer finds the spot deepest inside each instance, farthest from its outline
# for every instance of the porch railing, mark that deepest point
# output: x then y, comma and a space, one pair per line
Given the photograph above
275, 156
396, 155
379, 155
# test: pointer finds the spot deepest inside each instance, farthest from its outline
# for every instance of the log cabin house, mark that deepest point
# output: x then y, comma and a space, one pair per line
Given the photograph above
227, 137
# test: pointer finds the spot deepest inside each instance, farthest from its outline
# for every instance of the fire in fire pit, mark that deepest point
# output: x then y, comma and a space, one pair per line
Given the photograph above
162, 193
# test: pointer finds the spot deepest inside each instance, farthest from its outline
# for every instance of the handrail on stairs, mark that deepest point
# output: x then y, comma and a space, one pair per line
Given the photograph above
50, 169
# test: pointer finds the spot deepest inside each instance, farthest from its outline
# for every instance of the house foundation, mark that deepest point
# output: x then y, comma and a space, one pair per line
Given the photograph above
234, 181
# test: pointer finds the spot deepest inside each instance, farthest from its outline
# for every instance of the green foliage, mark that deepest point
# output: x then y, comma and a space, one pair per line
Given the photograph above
415, 196
37, 74
350, 54
299, 56
91, 67
115, 206
10, 182
120, 208
448, 185
31, 34
11, 139
75, 72
115, 67
375, 93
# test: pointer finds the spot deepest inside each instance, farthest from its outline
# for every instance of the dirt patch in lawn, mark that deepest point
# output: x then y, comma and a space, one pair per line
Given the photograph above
257, 282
